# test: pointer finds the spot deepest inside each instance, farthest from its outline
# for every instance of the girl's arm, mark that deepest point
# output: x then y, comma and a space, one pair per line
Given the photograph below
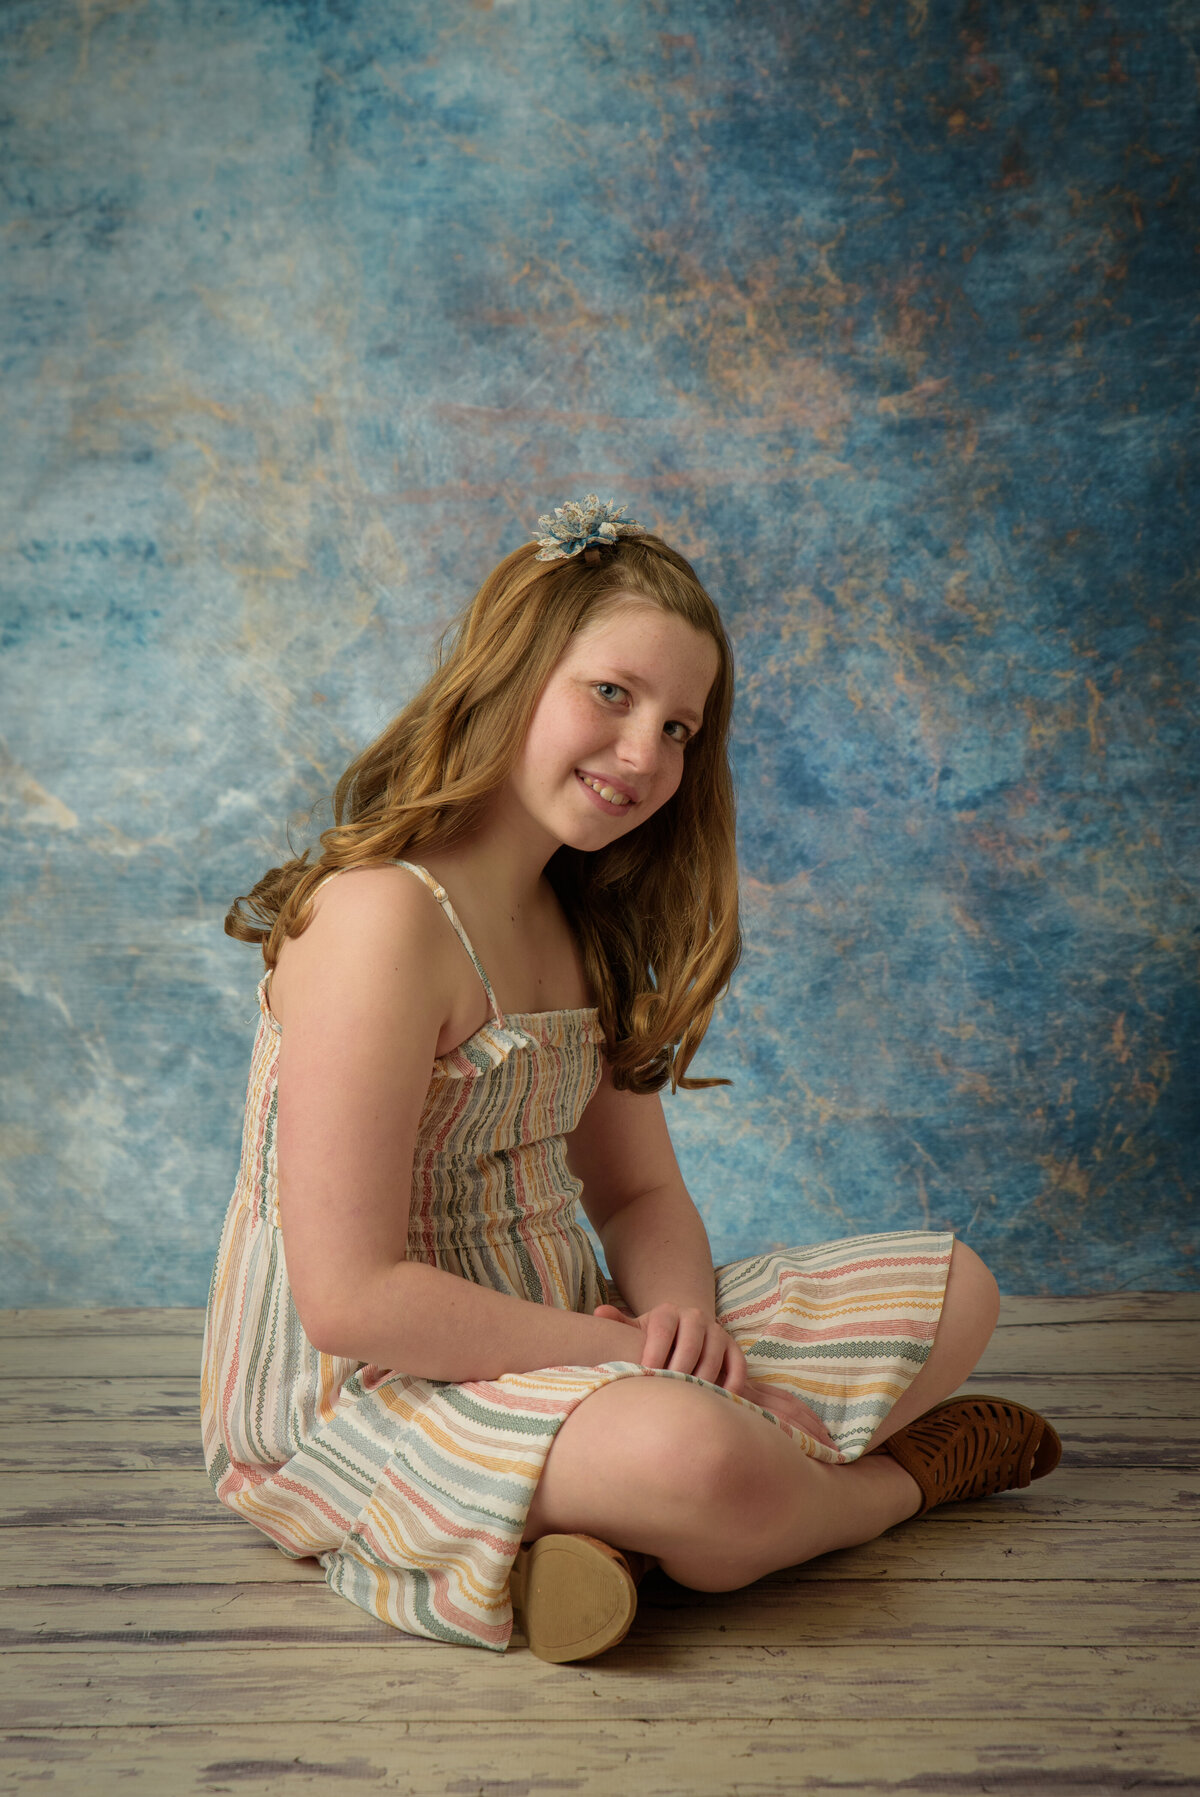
654, 1238
362, 998
657, 1248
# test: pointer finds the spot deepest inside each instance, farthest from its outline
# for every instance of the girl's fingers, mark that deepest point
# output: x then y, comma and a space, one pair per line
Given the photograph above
686, 1342
663, 1345
691, 1337
714, 1357
791, 1410
658, 1330
735, 1372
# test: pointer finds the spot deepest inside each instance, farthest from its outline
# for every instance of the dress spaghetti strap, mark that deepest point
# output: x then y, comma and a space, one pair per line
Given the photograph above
440, 894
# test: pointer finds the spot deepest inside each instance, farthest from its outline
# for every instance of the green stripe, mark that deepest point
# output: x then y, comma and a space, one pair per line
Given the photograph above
509, 1421
868, 1350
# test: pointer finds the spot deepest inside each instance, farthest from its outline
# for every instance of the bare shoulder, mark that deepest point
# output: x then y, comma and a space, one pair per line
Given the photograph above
380, 895
374, 933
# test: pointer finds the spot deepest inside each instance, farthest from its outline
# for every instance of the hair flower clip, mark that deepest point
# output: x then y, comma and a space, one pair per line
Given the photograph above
570, 528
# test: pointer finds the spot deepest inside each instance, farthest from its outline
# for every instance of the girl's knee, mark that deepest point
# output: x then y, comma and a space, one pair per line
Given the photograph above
695, 1454
971, 1307
725, 1459
680, 1463
980, 1290
692, 1442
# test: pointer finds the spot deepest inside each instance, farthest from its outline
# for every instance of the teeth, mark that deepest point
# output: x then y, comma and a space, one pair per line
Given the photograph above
606, 792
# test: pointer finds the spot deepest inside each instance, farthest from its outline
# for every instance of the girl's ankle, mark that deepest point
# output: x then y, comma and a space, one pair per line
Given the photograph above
878, 1464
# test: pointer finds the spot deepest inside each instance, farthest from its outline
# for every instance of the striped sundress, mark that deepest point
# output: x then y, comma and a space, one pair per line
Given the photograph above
413, 1493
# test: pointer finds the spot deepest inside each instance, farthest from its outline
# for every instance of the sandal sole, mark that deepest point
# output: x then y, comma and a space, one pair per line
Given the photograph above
572, 1597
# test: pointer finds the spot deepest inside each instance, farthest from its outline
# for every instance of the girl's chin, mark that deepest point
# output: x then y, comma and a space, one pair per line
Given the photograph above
591, 833
588, 826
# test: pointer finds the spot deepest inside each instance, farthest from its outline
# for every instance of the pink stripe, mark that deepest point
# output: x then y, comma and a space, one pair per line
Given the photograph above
851, 1267
903, 1328
499, 1543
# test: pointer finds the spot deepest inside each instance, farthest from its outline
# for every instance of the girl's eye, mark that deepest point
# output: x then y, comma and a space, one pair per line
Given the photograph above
610, 691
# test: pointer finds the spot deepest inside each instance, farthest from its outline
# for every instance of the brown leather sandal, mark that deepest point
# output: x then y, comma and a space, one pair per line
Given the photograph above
972, 1447
573, 1596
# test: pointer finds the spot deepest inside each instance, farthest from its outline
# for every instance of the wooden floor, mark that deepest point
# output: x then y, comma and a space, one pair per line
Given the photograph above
1041, 1642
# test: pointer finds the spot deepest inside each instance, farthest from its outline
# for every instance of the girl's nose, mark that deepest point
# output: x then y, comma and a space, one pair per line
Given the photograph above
640, 746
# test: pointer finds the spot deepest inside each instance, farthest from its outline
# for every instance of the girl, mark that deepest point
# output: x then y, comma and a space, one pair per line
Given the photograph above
414, 1369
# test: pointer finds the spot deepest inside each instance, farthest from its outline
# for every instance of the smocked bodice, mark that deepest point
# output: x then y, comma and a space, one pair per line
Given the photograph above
492, 1196
489, 1152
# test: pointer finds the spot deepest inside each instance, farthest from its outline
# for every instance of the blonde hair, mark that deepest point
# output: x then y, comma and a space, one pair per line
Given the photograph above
656, 911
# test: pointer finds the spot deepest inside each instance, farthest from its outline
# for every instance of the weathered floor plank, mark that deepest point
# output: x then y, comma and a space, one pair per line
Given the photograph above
786, 1609
596, 1758
1069, 1396
227, 1551
431, 1681
1093, 1348
1110, 1308
148, 1397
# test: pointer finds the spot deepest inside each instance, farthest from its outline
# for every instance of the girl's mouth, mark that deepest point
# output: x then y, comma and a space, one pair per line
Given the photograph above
607, 797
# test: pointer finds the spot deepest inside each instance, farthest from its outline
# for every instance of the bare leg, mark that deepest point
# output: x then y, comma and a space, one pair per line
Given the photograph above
721, 1496
715, 1492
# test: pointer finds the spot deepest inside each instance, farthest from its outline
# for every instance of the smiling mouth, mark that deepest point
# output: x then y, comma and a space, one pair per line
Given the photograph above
609, 794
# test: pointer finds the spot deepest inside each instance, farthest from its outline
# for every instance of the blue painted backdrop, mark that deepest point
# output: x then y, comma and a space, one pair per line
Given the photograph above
883, 313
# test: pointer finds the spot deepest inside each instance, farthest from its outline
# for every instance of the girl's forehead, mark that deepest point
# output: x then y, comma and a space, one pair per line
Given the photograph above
638, 638
626, 617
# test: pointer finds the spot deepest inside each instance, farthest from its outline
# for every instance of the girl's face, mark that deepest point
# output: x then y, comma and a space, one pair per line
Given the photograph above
606, 742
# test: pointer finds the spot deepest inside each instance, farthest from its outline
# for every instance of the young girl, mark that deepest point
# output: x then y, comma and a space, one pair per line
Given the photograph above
514, 935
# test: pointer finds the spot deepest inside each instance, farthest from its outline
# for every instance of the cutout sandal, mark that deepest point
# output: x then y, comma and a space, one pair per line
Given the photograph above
972, 1447
573, 1596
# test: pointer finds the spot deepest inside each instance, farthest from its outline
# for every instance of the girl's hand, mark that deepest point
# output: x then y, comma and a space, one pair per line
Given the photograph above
669, 1335
687, 1341
790, 1410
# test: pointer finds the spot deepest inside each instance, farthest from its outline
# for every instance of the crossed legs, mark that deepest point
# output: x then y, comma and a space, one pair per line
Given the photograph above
719, 1495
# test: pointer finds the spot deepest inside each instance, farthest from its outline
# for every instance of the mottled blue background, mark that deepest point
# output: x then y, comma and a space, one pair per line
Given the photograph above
884, 313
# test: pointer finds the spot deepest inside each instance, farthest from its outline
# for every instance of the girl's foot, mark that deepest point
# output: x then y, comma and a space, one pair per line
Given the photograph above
573, 1596
972, 1447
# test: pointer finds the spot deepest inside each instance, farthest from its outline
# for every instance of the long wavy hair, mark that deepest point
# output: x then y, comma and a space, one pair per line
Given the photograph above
655, 912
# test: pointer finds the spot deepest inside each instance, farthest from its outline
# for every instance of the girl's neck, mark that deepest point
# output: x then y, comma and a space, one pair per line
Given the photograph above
499, 867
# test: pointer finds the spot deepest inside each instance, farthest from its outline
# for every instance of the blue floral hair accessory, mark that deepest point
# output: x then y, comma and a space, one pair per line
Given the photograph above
576, 525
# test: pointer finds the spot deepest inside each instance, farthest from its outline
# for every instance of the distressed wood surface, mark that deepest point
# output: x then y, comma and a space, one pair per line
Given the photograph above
1069, 1757
1040, 1640
784, 1610
1125, 1395
1076, 1494
432, 1681
936, 1547
1155, 1347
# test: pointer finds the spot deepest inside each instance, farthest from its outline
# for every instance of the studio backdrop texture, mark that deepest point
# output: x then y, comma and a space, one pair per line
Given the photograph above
883, 313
